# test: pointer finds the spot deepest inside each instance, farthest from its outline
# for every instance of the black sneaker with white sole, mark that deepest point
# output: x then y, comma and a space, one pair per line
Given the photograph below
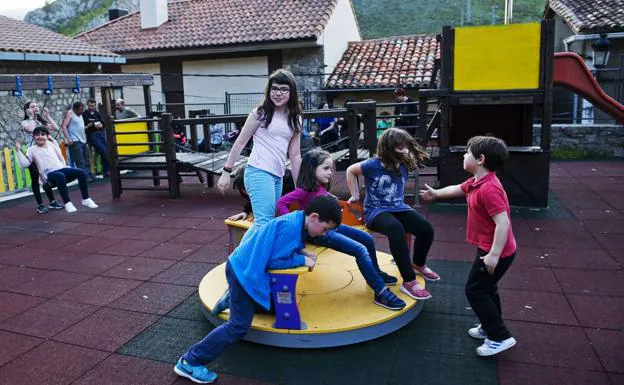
41, 209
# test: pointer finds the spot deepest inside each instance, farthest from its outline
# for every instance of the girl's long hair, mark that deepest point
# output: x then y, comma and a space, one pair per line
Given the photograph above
39, 119
307, 174
394, 138
267, 108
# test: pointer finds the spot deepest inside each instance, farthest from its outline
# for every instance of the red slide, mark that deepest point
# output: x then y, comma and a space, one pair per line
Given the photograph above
571, 72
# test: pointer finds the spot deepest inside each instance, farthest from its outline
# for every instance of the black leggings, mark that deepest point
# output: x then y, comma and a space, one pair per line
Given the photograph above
395, 225
34, 179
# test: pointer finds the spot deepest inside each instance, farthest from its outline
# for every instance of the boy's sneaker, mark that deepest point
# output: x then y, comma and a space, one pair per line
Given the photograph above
70, 208
490, 348
89, 203
426, 273
41, 209
414, 290
199, 374
222, 304
387, 278
54, 205
477, 333
386, 298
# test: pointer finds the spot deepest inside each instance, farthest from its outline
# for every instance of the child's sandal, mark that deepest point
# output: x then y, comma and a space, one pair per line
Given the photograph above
426, 273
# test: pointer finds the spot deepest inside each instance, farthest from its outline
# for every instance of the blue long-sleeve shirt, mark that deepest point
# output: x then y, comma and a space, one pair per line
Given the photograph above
276, 245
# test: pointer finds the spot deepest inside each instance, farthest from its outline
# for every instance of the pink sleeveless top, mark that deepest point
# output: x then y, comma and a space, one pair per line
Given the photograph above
270, 145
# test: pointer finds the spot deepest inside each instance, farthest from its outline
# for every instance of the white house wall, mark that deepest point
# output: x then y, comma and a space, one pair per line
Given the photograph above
340, 30
205, 90
134, 95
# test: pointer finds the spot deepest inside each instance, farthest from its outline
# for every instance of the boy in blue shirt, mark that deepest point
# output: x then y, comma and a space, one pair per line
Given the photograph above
277, 245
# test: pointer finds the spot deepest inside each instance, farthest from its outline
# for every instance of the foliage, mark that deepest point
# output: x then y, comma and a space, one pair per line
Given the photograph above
77, 24
382, 18
571, 153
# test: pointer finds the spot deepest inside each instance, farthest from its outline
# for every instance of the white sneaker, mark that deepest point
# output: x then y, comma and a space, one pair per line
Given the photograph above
89, 203
490, 348
477, 333
70, 208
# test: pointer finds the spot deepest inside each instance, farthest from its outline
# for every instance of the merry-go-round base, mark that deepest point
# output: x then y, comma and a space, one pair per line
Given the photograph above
335, 303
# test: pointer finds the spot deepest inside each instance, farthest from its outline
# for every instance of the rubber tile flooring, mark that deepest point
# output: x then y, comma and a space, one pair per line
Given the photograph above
109, 295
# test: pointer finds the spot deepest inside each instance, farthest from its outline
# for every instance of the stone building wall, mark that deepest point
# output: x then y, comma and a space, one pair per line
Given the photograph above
11, 107
594, 139
306, 63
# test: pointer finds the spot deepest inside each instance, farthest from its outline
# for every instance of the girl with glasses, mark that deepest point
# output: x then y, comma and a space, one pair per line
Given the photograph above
275, 126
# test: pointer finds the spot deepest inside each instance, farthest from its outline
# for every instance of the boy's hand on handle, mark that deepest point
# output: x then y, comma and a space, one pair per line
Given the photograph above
310, 261
224, 182
490, 261
428, 193
18, 146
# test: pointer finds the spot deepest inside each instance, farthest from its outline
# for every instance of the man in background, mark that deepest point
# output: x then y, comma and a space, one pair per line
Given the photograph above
95, 134
123, 112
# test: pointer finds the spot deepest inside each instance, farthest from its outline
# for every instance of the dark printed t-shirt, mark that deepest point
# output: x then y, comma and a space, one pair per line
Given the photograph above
384, 189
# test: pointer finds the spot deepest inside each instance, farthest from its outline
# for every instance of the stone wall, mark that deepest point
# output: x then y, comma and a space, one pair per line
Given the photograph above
594, 139
11, 107
305, 63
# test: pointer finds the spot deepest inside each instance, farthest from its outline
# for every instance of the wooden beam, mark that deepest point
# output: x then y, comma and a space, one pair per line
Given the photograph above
68, 81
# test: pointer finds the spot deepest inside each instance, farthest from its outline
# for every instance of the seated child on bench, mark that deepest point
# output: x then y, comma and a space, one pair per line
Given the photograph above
277, 245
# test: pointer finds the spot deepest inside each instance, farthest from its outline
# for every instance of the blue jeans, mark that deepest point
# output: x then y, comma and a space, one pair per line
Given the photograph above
359, 244
242, 309
60, 178
98, 141
264, 189
79, 153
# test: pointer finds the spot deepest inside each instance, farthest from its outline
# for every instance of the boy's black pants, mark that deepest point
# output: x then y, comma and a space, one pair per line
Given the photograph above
482, 294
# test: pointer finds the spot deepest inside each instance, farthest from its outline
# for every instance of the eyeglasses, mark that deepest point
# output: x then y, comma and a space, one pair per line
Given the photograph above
281, 90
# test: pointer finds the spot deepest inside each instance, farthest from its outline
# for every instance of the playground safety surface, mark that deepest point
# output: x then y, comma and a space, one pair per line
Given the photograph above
109, 296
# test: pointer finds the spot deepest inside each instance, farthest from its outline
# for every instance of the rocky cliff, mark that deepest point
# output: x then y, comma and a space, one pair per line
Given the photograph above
71, 17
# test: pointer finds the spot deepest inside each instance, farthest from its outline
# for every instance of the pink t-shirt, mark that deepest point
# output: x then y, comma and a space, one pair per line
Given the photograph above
486, 198
270, 145
300, 196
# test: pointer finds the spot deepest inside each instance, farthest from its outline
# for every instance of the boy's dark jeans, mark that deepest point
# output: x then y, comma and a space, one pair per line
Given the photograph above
242, 309
482, 294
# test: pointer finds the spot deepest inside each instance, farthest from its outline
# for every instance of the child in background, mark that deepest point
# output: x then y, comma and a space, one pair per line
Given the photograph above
46, 155
314, 180
489, 228
239, 184
277, 245
385, 210
383, 123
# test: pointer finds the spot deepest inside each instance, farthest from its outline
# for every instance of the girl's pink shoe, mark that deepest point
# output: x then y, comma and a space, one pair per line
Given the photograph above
426, 273
414, 290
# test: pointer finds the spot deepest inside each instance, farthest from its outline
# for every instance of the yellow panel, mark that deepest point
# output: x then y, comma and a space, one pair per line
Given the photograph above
2, 188
9, 171
132, 138
500, 57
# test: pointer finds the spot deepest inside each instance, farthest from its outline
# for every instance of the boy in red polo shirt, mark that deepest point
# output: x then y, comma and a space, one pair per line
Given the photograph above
489, 228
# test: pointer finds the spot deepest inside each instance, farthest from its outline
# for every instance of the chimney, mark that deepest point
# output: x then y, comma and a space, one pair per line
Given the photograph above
153, 13
116, 13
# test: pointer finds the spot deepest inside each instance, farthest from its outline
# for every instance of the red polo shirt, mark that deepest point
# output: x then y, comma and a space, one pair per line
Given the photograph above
486, 198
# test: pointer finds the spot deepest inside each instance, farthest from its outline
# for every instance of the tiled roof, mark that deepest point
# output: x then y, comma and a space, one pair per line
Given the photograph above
19, 36
591, 16
201, 23
406, 61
